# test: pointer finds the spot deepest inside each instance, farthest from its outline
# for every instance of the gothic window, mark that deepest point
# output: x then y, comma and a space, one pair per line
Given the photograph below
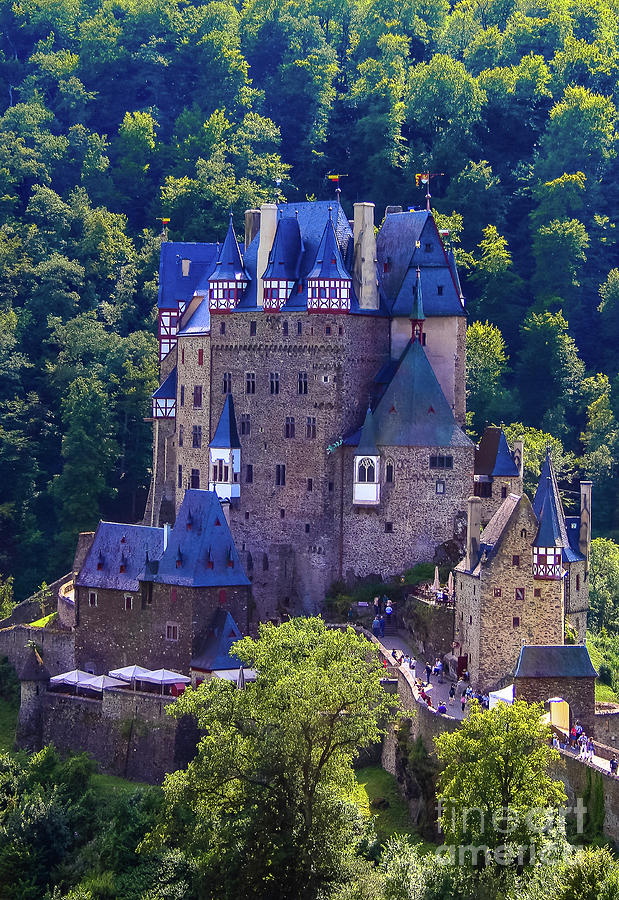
250, 382
196, 437
274, 382
302, 384
200, 357
245, 424
389, 472
310, 427
171, 631
180, 435
180, 476
289, 428
227, 383
440, 461
197, 396
366, 471
249, 476
280, 474
195, 479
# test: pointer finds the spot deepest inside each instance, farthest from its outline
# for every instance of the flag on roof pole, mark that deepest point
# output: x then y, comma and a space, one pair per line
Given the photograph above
166, 221
333, 177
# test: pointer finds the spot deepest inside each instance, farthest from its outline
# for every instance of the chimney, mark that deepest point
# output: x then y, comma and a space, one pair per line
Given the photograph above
268, 225
364, 270
225, 505
584, 537
252, 225
473, 530
519, 456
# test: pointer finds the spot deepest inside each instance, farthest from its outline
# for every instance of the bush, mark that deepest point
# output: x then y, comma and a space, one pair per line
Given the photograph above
9, 682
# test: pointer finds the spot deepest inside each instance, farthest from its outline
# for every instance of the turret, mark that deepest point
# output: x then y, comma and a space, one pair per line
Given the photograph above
225, 455
229, 279
548, 543
282, 270
329, 283
366, 461
417, 313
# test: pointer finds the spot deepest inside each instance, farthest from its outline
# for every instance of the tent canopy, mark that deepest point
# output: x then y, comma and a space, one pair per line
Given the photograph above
233, 674
129, 673
103, 682
505, 695
73, 678
164, 676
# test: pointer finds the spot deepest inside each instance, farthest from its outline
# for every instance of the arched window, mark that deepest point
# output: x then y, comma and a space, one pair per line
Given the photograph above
389, 471
366, 471
523, 533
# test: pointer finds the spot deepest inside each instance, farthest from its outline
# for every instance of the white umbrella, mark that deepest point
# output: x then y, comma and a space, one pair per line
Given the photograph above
450, 584
436, 586
103, 682
129, 673
240, 682
74, 678
163, 677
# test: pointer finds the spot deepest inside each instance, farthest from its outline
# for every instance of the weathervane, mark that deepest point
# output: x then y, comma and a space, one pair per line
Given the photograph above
336, 179
164, 228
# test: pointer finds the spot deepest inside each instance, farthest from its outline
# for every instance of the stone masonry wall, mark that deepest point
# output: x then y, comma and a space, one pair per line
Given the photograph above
501, 487
577, 598
578, 692
56, 647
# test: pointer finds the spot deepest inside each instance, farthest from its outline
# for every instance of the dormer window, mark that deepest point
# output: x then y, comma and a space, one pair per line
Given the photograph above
547, 563
366, 471
275, 293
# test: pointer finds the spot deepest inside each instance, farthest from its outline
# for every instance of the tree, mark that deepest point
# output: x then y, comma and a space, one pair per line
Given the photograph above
495, 787
536, 443
604, 584
486, 362
609, 313
265, 801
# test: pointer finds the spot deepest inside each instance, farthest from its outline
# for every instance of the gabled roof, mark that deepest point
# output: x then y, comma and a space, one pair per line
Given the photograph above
554, 661
328, 262
547, 506
229, 266
493, 533
200, 321
367, 439
167, 390
493, 456
200, 536
413, 411
214, 651
115, 545
173, 285
226, 433
285, 256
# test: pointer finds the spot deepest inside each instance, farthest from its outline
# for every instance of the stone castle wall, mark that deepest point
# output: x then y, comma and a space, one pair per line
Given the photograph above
57, 648
578, 692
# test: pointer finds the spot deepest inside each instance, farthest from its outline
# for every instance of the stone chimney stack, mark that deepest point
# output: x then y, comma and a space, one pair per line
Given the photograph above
364, 271
268, 226
584, 538
519, 456
252, 225
473, 531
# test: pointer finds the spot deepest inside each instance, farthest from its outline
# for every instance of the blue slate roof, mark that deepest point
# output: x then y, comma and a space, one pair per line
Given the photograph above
229, 265
549, 530
285, 256
417, 314
547, 504
226, 433
367, 438
396, 245
493, 456
504, 464
200, 321
214, 651
200, 535
554, 661
328, 262
167, 390
173, 285
413, 411
117, 545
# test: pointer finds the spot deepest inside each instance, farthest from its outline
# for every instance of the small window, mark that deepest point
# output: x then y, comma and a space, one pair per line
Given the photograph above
222, 328
183, 355
197, 396
439, 290
180, 476
325, 379
470, 620
250, 382
537, 592
578, 582
171, 632
503, 493
92, 598
389, 527
274, 382
327, 329
252, 329
182, 394
247, 519
523, 532
389, 472
195, 479
227, 382
310, 427
428, 248
185, 263
440, 487
299, 325
196, 437
307, 528
497, 592
181, 435
128, 603
289, 427
515, 560
330, 487
280, 475
516, 622
440, 461
340, 330
310, 484
302, 383
245, 424
282, 513
519, 595
200, 357
265, 563
285, 329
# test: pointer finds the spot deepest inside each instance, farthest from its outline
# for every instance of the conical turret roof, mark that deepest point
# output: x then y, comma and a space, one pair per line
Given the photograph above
285, 255
226, 434
367, 439
417, 313
328, 262
229, 266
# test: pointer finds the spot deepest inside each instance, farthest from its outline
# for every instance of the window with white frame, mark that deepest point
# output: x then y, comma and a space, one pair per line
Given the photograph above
366, 471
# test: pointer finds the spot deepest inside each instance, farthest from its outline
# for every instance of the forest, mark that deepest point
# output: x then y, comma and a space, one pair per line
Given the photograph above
118, 113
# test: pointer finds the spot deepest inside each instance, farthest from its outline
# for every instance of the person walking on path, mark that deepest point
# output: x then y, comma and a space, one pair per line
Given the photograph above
382, 626
376, 626
463, 701
428, 672
590, 750
452, 694
376, 607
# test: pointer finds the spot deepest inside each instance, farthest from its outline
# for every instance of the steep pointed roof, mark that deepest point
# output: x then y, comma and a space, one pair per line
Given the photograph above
451, 259
548, 508
549, 531
167, 390
367, 440
417, 313
226, 433
230, 265
201, 550
285, 255
328, 262
413, 411
493, 456
214, 652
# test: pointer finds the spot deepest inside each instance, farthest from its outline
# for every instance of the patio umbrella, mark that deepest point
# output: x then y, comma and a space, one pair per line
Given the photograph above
74, 678
240, 682
436, 585
163, 677
129, 673
103, 682
450, 584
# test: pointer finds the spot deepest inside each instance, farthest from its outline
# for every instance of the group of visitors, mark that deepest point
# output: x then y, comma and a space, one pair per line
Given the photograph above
585, 745
383, 612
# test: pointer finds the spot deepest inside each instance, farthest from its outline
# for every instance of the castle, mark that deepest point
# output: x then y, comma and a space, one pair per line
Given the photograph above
316, 382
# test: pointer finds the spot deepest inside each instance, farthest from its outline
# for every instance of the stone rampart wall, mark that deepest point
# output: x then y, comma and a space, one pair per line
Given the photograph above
57, 648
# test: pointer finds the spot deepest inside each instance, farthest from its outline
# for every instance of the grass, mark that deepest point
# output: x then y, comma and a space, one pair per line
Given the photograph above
373, 783
110, 786
603, 692
41, 623
8, 725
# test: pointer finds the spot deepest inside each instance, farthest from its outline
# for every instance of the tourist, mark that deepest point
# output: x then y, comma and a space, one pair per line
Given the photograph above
590, 750
573, 737
442, 709
555, 742
382, 626
388, 611
463, 700
439, 670
376, 626
582, 745
429, 702
452, 694
428, 673
376, 607
613, 765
